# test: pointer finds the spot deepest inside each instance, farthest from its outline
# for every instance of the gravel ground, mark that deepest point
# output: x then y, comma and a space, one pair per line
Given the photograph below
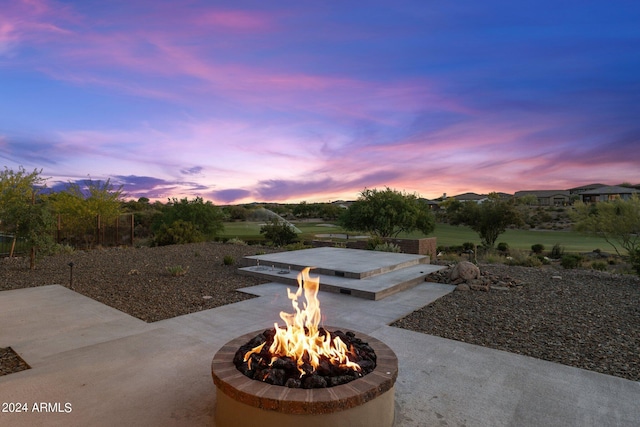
136, 280
586, 319
582, 318
10, 362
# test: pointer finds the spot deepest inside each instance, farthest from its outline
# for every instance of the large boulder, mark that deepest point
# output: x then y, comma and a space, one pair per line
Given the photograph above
464, 271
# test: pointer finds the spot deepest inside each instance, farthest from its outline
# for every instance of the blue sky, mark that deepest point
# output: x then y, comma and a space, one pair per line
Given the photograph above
316, 100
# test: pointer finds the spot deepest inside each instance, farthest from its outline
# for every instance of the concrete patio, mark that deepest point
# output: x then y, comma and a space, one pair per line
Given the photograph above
113, 369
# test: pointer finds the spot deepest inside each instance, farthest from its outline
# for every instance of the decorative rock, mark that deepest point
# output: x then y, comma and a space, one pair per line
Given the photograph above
465, 270
462, 287
556, 277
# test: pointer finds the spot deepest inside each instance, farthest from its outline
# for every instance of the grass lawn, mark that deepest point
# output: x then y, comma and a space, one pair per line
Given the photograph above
451, 235
251, 230
447, 235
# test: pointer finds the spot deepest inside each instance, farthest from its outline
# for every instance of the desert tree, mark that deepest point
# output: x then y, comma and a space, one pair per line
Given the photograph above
489, 219
87, 206
387, 213
616, 221
205, 219
279, 232
23, 213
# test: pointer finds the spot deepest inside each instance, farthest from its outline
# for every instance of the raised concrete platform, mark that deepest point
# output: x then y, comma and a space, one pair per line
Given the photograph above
340, 262
364, 274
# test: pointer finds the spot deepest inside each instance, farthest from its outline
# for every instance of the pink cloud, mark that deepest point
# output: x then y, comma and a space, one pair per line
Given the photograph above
235, 20
146, 56
34, 19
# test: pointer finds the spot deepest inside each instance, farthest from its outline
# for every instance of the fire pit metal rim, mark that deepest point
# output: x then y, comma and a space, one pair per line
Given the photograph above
303, 401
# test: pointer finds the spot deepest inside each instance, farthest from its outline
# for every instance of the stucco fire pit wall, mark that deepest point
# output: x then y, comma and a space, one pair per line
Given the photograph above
244, 402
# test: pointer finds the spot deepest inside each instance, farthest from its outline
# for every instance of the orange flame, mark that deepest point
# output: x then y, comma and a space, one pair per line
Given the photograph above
301, 339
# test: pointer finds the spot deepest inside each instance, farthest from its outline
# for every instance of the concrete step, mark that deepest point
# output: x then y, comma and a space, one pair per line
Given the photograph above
372, 288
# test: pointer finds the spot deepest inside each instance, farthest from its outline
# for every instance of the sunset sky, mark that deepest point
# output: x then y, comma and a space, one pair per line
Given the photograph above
240, 101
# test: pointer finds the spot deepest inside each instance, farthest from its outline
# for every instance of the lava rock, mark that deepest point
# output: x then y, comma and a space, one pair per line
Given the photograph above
284, 371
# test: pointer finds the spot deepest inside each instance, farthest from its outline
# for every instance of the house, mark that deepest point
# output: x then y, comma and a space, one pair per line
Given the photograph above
470, 197
434, 205
583, 188
607, 193
504, 196
547, 197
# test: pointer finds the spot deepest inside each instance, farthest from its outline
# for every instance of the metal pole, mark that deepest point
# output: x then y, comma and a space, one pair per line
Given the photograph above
71, 275
132, 229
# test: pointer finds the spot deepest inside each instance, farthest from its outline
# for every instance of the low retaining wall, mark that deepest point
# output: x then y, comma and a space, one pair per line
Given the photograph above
424, 246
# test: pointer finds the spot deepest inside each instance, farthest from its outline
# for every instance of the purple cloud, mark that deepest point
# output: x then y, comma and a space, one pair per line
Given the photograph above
327, 187
230, 195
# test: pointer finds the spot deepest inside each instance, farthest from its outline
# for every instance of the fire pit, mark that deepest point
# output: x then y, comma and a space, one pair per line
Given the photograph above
308, 362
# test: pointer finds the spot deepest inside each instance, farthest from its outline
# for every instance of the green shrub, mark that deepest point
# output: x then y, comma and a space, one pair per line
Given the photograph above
278, 232
545, 217
388, 247
228, 260
532, 261
203, 217
468, 246
296, 246
543, 259
491, 259
557, 251
236, 241
634, 259
455, 249
62, 248
599, 265
571, 261
449, 257
178, 232
177, 270
373, 242
516, 257
503, 247
523, 259
537, 248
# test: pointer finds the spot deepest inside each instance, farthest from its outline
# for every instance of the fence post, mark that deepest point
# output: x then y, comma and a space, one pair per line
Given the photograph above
98, 242
131, 228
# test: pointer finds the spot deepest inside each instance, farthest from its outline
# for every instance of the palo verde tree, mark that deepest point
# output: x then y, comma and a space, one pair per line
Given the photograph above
87, 206
23, 213
387, 213
489, 219
617, 221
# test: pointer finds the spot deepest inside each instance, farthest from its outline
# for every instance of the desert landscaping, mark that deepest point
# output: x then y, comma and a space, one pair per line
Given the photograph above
582, 318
